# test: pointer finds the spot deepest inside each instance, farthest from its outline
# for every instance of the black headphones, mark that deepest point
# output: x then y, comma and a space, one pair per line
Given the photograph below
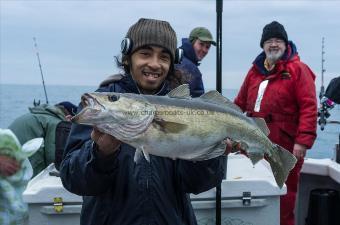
178, 56
126, 47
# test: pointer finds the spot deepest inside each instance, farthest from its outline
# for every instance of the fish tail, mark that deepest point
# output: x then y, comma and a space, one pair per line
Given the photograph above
282, 164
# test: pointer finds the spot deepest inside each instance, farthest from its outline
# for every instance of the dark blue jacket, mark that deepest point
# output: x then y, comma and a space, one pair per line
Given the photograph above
190, 65
118, 191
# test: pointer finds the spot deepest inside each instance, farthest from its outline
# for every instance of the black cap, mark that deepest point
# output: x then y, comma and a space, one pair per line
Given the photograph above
274, 30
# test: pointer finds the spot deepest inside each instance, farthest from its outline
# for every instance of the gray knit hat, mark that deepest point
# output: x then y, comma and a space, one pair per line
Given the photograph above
153, 32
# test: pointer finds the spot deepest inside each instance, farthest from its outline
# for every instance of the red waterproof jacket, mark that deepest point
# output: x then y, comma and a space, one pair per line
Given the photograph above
289, 103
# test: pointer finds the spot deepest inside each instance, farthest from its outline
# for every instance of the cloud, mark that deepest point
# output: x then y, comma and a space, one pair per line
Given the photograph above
78, 39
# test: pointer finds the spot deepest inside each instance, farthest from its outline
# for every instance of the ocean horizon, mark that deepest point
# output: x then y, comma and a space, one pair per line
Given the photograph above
15, 100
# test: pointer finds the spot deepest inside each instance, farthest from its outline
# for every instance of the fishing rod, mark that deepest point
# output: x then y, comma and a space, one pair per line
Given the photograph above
326, 103
219, 10
322, 89
41, 72
322, 112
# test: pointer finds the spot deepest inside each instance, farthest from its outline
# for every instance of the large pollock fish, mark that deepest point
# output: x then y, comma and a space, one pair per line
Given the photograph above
178, 126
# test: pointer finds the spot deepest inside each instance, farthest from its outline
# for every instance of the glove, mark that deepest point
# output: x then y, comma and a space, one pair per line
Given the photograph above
234, 146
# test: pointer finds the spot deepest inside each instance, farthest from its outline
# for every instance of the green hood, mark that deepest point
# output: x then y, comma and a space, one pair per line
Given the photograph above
48, 109
10, 145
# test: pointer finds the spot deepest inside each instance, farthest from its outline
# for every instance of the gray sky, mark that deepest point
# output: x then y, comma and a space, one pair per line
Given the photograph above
77, 40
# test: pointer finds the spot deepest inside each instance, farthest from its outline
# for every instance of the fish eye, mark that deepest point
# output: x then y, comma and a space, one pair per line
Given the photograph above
113, 98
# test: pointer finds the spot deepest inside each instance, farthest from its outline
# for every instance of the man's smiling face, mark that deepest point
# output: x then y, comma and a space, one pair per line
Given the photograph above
274, 49
149, 67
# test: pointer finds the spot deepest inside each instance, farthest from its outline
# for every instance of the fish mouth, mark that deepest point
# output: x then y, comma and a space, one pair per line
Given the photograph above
90, 102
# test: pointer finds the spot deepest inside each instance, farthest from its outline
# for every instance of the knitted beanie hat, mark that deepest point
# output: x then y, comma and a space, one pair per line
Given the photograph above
274, 30
152, 32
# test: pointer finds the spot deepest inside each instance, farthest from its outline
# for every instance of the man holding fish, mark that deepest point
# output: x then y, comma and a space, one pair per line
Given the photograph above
122, 185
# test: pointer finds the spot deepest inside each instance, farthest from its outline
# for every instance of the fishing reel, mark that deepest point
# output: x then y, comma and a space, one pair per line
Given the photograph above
328, 101
323, 112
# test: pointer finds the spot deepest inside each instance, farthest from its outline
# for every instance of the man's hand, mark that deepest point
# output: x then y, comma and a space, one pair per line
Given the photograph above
8, 166
299, 151
233, 146
106, 143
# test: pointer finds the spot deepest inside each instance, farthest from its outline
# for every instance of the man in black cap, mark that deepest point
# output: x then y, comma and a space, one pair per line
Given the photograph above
101, 168
281, 89
195, 48
42, 121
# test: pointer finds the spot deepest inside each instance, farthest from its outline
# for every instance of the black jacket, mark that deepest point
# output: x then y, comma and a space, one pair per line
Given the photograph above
333, 90
118, 191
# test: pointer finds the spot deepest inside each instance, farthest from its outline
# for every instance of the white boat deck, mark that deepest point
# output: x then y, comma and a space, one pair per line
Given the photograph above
242, 177
322, 167
43, 188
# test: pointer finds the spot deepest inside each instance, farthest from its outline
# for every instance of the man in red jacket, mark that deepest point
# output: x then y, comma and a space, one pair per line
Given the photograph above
281, 89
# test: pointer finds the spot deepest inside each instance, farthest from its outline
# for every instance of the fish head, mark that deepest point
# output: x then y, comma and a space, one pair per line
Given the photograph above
112, 108
93, 109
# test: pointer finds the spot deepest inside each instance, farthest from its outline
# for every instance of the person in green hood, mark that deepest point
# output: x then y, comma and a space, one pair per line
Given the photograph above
42, 121
15, 173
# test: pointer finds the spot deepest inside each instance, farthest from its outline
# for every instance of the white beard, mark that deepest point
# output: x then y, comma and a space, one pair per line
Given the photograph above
273, 56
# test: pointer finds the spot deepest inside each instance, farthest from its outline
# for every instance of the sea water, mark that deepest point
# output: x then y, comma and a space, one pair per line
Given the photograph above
15, 100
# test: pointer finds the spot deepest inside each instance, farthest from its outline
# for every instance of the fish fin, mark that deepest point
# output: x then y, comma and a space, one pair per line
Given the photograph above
169, 127
146, 155
181, 91
138, 155
254, 156
261, 123
216, 98
243, 145
283, 165
213, 152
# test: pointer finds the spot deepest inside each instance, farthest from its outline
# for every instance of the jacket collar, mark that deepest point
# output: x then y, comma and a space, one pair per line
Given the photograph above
290, 54
189, 51
130, 86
